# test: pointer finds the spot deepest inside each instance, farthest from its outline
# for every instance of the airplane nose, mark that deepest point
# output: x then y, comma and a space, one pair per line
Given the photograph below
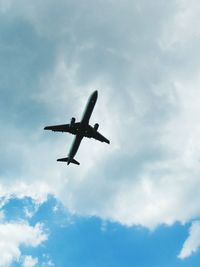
95, 94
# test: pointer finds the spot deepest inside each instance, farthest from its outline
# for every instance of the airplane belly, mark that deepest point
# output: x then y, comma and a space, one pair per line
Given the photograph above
89, 108
75, 146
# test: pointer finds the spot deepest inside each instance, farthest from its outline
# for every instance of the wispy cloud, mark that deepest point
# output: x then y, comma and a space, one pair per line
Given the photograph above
192, 243
30, 261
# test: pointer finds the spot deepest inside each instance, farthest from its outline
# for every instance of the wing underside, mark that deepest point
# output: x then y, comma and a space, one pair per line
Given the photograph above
64, 128
92, 133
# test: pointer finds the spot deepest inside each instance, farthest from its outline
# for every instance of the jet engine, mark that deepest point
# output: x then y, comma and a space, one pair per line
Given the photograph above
96, 126
73, 120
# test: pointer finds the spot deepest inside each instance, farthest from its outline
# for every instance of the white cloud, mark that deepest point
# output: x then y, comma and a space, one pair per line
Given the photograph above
180, 32
13, 235
2, 215
192, 243
21, 190
29, 261
49, 263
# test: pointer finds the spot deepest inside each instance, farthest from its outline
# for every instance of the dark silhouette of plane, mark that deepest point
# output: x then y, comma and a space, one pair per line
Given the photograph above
80, 129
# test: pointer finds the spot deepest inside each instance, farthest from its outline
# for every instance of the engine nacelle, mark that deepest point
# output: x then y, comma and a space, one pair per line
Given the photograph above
73, 120
96, 126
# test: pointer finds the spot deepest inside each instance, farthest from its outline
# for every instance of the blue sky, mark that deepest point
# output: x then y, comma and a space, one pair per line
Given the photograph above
81, 241
134, 202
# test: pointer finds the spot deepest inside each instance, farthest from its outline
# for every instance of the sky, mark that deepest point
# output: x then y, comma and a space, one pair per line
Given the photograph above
135, 202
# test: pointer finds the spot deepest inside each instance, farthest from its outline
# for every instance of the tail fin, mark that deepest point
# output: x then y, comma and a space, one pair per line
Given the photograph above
66, 160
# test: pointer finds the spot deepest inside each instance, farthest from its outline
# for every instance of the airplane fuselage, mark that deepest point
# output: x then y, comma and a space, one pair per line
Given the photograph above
83, 126
89, 108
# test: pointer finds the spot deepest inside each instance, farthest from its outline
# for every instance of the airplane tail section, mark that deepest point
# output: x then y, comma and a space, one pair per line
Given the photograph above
68, 162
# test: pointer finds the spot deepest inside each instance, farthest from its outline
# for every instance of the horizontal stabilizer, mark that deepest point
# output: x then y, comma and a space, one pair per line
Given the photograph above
71, 161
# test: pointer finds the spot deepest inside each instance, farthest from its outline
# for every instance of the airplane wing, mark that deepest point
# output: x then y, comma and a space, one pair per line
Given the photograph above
92, 133
100, 137
64, 128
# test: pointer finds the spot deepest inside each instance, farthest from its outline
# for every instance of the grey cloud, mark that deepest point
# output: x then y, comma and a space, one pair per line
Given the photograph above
25, 56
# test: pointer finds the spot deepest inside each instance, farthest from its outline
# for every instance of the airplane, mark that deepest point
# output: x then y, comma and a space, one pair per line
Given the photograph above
80, 129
